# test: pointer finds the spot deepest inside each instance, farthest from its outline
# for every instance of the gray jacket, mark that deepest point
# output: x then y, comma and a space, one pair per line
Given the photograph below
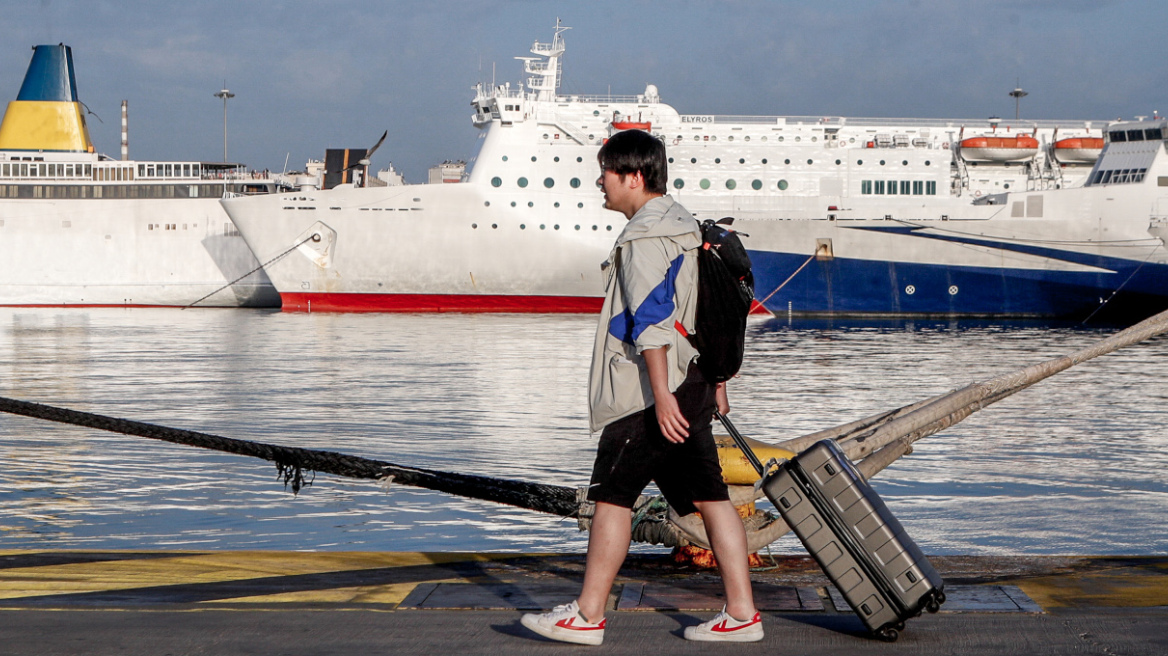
651, 289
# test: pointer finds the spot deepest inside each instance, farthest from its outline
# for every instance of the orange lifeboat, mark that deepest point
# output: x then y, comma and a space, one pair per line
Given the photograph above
632, 125
1078, 149
999, 149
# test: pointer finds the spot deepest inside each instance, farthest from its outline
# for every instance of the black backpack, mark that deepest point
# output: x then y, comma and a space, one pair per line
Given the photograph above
725, 295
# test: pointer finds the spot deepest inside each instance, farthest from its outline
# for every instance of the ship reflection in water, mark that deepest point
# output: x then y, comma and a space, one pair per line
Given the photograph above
1074, 465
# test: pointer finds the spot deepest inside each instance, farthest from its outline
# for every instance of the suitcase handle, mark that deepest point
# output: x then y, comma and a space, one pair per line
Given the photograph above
741, 442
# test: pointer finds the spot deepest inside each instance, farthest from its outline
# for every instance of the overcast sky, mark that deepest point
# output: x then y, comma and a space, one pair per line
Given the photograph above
311, 75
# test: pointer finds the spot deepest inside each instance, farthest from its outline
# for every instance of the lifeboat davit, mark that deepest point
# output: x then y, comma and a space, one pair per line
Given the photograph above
999, 149
632, 125
1078, 149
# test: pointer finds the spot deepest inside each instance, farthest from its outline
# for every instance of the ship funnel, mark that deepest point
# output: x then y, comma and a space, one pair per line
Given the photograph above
46, 114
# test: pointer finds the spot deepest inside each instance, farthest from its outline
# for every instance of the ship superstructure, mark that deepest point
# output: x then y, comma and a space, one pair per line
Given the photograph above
527, 231
83, 229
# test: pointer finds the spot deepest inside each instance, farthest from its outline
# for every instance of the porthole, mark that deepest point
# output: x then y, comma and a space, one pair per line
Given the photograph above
881, 162
741, 160
693, 160
814, 139
764, 160
746, 138
717, 160
556, 204
474, 226
494, 226
580, 205
546, 135
579, 159
852, 140
730, 184
678, 183
798, 139
730, 138
574, 183
904, 163
764, 138
512, 203
486, 203
522, 182
556, 158
556, 227
783, 185
1006, 186
530, 204
591, 137
496, 181
786, 161
549, 183
504, 158
523, 226
837, 162
596, 112
713, 137
704, 184
859, 162
697, 137
608, 228
670, 160
533, 158
577, 227
594, 228
809, 161
756, 185
542, 226
927, 162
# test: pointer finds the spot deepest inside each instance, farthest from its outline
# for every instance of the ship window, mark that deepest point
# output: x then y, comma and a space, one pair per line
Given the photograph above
533, 158
1118, 136
1162, 181
670, 160
556, 227
574, 183
927, 162
866, 187
904, 162
892, 187
543, 226
579, 159
746, 138
878, 188
918, 187
1139, 177
496, 181
741, 160
1154, 134
704, 184
782, 185
556, 204
530, 204
730, 184
522, 182
859, 162
786, 161
810, 161
187, 170
549, 183
697, 137
930, 187
904, 185
693, 160
557, 157
881, 162
1135, 135
6, 171
837, 162
504, 158
678, 183
88, 170
512, 203
141, 171
756, 185
764, 161
717, 160
580, 205
195, 170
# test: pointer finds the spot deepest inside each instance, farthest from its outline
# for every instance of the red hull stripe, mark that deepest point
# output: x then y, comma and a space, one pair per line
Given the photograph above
352, 302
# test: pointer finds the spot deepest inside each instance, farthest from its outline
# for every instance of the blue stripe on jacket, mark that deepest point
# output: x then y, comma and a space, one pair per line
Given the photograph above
657, 307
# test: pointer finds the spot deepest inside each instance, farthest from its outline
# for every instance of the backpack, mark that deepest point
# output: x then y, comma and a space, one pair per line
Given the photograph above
725, 296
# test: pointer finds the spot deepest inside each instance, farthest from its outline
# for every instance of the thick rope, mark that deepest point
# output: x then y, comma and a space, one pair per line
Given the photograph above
292, 461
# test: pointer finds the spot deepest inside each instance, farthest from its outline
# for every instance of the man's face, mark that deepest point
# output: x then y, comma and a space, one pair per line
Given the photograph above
620, 191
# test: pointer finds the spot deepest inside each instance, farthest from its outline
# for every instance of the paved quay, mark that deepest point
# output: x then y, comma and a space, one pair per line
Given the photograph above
232, 602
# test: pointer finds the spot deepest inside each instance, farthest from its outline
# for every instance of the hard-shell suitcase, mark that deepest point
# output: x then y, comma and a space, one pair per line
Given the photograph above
853, 536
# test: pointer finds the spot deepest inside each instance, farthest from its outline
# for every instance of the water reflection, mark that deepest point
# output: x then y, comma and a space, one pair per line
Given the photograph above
1073, 465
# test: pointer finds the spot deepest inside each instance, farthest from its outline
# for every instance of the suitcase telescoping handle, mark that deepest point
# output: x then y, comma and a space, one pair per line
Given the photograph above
741, 442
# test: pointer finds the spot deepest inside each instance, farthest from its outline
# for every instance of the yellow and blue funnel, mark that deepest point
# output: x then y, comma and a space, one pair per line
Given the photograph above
46, 115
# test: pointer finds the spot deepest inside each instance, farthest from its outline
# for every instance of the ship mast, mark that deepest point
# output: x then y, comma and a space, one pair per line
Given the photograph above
545, 73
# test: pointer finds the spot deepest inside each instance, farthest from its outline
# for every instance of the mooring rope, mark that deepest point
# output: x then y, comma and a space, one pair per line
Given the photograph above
268, 263
291, 462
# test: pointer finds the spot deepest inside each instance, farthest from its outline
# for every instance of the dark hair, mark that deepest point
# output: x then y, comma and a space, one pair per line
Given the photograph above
635, 151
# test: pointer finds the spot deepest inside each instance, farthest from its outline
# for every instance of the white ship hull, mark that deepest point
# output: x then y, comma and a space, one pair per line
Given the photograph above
864, 216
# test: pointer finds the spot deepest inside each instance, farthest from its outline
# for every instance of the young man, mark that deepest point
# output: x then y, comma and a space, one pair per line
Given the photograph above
654, 405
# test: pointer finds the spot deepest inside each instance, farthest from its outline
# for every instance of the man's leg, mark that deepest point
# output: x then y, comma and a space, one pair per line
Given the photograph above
728, 542
608, 544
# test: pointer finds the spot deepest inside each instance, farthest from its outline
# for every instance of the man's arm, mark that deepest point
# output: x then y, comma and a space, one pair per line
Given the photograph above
673, 424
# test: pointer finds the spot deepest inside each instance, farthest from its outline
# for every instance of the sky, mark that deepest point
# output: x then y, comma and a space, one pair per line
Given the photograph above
314, 75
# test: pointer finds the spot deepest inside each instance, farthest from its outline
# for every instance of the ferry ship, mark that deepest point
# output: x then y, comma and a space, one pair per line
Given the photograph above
82, 229
841, 200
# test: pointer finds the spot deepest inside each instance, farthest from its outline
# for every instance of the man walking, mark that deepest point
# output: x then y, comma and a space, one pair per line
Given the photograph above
653, 404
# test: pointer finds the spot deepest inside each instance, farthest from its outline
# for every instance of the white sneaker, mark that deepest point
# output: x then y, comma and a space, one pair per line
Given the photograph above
565, 623
724, 628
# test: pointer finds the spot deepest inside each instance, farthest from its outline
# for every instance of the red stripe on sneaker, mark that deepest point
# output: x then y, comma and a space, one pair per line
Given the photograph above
722, 628
570, 623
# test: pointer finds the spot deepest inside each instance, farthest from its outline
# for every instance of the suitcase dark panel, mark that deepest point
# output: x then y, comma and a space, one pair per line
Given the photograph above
857, 541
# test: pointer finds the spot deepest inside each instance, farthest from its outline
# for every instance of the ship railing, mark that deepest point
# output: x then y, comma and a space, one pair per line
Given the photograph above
840, 121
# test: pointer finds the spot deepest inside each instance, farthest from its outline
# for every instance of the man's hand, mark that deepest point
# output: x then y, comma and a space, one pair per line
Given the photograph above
673, 424
722, 400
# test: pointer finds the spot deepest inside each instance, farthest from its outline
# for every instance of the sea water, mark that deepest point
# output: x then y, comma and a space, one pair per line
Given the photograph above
1075, 465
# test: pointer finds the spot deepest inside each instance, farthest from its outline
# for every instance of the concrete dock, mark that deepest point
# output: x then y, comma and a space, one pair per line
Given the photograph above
230, 602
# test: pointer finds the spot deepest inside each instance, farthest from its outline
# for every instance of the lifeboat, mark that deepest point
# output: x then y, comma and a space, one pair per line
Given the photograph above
1078, 149
999, 149
632, 125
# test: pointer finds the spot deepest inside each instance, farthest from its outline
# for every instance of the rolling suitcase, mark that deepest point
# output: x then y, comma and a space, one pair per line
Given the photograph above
853, 536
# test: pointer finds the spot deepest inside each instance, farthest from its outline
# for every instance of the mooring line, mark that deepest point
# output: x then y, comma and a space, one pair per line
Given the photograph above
292, 461
271, 261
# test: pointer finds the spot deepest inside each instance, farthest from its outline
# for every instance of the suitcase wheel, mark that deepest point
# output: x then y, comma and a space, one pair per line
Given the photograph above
888, 634
899, 626
934, 604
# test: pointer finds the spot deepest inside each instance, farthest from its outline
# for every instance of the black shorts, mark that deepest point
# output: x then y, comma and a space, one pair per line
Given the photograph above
633, 452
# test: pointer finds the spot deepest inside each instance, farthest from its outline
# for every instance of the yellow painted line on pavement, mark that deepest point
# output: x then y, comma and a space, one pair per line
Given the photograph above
192, 568
1098, 590
392, 593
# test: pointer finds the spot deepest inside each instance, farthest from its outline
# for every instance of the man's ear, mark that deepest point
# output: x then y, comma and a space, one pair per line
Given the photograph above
636, 180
